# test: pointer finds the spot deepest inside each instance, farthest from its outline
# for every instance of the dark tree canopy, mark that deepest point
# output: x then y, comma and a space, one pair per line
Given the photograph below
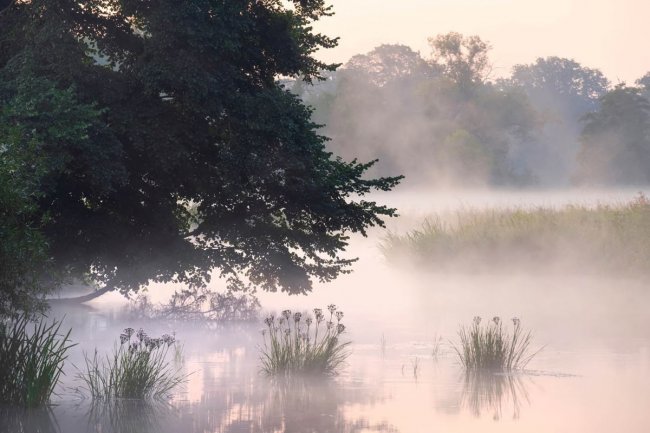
166, 147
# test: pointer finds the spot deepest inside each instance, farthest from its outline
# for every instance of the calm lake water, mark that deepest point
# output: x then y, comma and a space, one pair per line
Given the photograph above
593, 374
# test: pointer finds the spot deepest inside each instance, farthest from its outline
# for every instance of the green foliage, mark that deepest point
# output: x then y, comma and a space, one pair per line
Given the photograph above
293, 348
161, 153
491, 347
616, 140
31, 360
605, 238
26, 179
139, 368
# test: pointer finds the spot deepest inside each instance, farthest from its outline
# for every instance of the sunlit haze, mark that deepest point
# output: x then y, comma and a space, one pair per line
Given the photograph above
448, 233
604, 34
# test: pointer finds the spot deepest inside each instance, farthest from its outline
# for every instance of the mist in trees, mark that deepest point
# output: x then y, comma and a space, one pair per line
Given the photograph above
443, 120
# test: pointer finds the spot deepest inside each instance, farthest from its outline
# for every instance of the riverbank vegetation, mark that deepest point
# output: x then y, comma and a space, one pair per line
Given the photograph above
31, 360
604, 238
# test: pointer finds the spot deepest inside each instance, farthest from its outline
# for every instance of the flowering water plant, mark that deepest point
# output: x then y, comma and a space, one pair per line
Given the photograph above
294, 343
139, 368
491, 346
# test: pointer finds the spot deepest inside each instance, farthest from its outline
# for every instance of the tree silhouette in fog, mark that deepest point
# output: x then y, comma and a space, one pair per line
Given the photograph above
151, 141
616, 140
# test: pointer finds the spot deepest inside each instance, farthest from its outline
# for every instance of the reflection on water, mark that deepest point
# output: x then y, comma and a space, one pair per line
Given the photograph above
127, 415
596, 332
298, 404
256, 405
489, 392
18, 420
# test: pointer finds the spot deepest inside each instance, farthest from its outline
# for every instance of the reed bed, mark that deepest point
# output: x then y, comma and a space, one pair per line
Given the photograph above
296, 346
492, 347
604, 238
31, 360
139, 368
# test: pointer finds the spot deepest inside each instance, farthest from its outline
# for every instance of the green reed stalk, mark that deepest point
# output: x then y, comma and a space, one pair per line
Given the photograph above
290, 349
31, 361
139, 368
492, 347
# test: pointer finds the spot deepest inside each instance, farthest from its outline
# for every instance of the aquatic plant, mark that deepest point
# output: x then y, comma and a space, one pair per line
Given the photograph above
139, 368
436, 350
492, 347
296, 345
415, 365
31, 360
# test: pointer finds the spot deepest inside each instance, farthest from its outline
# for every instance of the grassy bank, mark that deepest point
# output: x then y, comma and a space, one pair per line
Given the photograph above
605, 238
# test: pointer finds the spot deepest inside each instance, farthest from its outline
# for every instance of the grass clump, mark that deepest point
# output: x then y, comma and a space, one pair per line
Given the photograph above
598, 239
293, 345
31, 360
139, 368
491, 347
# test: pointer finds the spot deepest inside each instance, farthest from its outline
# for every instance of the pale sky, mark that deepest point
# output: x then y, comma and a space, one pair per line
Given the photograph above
611, 35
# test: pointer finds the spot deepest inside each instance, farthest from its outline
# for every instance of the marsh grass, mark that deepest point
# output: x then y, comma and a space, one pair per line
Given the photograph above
139, 368
604, 238
31, 360
492, 347
415, 365
437, 349
296, 346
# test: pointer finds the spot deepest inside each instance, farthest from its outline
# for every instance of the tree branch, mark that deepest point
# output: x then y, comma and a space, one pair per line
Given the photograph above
83, 298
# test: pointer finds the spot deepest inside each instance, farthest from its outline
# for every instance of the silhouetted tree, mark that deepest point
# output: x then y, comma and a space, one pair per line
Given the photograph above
561, 91
616, 140
464, 59
387, 63
644, 84
166, 148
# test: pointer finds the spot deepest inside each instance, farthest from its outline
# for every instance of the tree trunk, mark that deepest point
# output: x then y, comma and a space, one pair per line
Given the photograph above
81, 299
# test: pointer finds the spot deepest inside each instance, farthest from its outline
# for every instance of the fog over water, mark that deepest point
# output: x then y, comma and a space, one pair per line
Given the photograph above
592, 374
165, 166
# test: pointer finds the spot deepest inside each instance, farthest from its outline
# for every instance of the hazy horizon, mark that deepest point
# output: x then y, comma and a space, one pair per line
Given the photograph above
598, 34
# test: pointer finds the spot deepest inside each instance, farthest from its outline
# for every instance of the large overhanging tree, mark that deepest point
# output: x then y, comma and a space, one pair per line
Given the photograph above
156, 144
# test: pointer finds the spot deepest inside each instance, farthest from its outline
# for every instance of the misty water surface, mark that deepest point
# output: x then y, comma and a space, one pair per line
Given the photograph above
593, 374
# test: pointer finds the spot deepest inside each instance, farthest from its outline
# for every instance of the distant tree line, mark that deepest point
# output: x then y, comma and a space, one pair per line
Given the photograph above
442, 120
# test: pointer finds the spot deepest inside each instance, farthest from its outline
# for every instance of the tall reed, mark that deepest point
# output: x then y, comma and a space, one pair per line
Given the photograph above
292, 345
598, 239
139, 368
491, 347
31, 360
